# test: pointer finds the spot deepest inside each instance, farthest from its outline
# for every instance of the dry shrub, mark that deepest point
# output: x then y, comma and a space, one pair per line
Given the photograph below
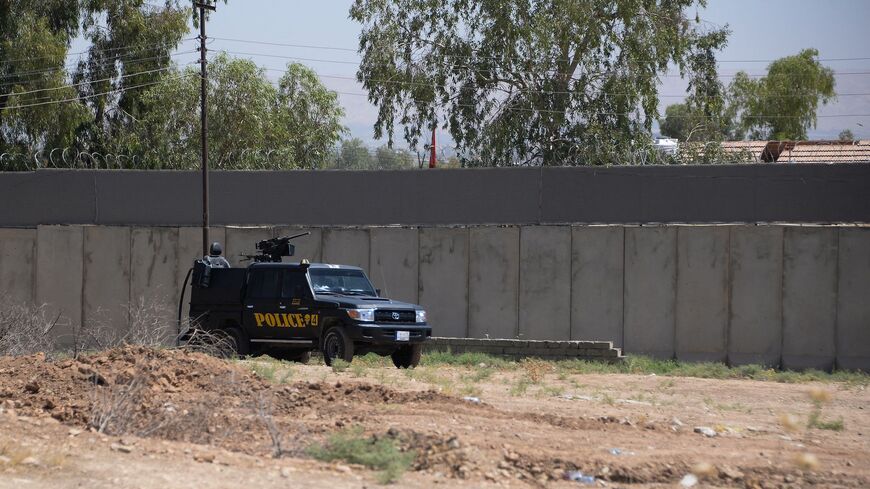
536, 369
122, 408
26, 329
148, 324
114, 409
214, 343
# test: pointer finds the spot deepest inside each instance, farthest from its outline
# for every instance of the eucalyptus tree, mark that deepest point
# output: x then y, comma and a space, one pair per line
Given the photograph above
520, 81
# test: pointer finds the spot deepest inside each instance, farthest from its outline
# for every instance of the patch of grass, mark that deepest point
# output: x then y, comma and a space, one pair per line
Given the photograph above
358, 369
636, 364
373, 360
835, 425
339, 365
353, 447
467, 359
553, 390
820, 397
470, 390
520, 387
265, 370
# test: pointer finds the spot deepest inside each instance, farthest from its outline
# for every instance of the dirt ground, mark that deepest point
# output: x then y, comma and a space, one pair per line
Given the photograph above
178, 419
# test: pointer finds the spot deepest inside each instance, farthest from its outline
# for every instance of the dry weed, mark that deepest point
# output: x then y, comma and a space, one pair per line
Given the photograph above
807, 461
536, 369
25, 330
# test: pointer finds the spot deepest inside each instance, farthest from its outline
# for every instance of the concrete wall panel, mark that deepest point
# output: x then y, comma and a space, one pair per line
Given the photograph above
307, 247
809, 297
17, 265
444, 279
597, 283
545, 282
59, 277
650, 283
493, 282
347, 247
702, 294
394, 262
755, 331
853, 302
242, 240
106, 277
154, 271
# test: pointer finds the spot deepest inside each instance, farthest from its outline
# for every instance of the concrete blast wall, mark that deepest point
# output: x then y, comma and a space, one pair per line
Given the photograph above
778, 295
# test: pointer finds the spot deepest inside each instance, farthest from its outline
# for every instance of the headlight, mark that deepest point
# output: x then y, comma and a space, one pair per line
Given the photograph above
362, 314
421, 316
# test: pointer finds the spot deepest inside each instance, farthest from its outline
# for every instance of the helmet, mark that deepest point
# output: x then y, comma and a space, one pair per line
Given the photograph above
216, 249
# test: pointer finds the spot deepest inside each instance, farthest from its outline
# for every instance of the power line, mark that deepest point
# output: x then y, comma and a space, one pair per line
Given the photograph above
106, 63
61, 87
129, 47
335, 48
84, 97
479, 70
628, 114
548, 92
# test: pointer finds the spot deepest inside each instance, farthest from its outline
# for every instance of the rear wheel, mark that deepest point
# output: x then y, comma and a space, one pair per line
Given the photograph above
230, 342
337, 345
407, 356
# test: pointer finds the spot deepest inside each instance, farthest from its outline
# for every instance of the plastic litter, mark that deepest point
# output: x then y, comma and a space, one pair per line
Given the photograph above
689, 480
615, 451
706, 431
473, 400
577, 476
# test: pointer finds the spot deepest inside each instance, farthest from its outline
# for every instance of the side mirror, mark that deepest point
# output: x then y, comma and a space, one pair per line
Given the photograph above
378, 291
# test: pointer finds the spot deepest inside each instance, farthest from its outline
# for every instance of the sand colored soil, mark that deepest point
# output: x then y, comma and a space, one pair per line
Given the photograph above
172, 418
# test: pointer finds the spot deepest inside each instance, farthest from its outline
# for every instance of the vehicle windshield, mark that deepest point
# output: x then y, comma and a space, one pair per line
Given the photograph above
341, 281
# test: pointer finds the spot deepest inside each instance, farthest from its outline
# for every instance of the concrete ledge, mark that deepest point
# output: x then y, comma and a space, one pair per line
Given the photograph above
517, 349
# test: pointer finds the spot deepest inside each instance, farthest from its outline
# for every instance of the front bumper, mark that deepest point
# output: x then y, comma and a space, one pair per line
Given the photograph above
385, 333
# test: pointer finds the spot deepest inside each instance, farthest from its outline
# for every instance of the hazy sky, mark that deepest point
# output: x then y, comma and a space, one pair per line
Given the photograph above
761, 30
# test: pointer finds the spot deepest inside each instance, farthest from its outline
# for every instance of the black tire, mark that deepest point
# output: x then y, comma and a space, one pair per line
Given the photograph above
407, 356
233, 342
336, 344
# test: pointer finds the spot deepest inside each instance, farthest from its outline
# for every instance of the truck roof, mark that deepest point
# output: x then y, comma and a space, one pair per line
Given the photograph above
311, 265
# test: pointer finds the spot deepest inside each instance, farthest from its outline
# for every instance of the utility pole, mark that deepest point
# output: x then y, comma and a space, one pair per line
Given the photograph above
202, 6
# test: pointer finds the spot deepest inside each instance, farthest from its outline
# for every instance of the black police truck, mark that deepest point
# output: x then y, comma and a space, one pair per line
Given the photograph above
288, 310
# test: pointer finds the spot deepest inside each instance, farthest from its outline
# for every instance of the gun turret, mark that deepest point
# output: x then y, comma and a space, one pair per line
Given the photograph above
272, 250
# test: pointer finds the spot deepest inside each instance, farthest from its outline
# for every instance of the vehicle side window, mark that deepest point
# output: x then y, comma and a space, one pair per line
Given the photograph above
264, 284
295, 286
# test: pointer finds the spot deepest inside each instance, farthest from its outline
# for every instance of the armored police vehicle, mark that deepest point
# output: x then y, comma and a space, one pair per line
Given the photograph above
288, 310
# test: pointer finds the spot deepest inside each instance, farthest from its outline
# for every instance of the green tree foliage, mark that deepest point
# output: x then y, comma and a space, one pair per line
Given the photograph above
34, 38
353, 155
126, 96
783, 104
846, 136
45, 101
524, 82
252, 124
131, 41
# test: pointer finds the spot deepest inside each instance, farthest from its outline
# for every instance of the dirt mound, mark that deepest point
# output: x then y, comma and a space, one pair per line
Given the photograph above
186, 396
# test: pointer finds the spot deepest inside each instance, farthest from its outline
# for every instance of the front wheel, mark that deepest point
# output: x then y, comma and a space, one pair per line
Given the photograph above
408, 356
337, 345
